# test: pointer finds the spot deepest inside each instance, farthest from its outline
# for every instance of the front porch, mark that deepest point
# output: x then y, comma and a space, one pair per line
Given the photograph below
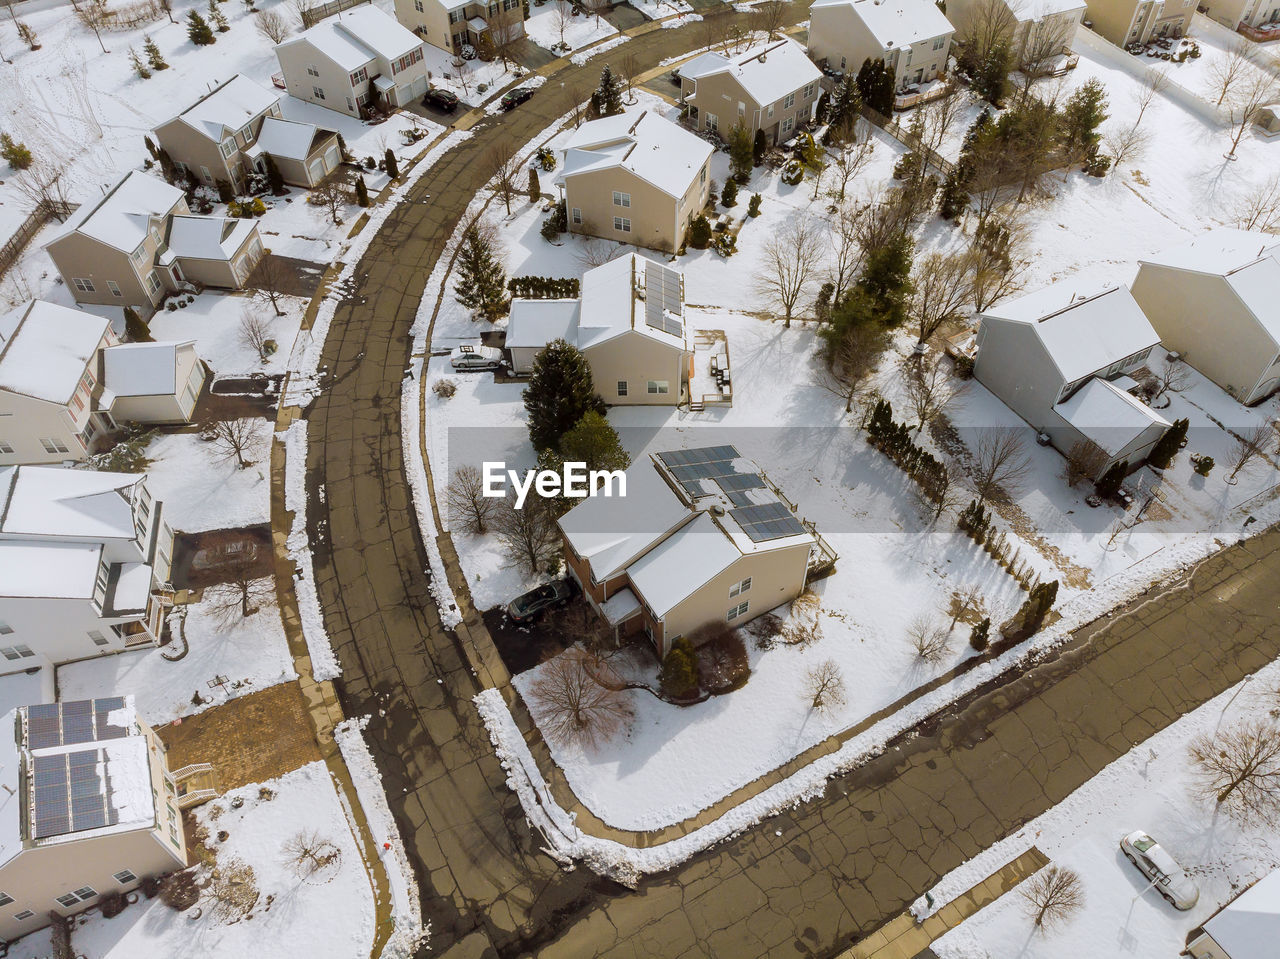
709, 379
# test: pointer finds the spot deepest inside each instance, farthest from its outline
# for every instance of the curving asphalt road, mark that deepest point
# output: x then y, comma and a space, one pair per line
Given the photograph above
807, 882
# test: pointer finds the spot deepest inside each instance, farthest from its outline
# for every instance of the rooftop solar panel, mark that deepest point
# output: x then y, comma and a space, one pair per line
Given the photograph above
741, 481
767, 521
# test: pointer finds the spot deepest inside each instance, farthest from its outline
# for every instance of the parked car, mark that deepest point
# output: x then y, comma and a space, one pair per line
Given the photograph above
514, 98
527, 607
467, 358
441, 100
1168, 878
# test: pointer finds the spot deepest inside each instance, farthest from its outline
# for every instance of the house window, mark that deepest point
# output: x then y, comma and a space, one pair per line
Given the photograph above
621, 199
622, 387
104, 575
622, 224
5, 447
125, 876
417, 5
809, 90
317, 92
114, 288
843, 63
769, 113
83, 285
789, 102
141, 252
351, 107
360, 76
713, 122
85, 893
787, 124
97, 637
153, 283
312, 71
937, 44
25, 914
67, 901
455, 16
742, 587
742, 109
16, 652
52, 444
5, 899
702, 176
577, 216
736, 611
5, 628
659, 387
228, 147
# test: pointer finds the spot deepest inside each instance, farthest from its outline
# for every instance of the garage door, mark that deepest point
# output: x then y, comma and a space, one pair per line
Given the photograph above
331, 159
419, 88
316, 170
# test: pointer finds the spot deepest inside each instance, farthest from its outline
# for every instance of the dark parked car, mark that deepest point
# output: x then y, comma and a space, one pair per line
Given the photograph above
441, 100
529, 606
515, 97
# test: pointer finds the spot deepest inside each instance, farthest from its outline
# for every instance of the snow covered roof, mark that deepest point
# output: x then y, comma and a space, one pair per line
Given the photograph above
45, 349
1249, 262
1108, 415
653, 148
1248, 927
142, 369
632, 293
354, 37
682, 564
228, 107
48, 570
130, 588
767, 72
207, 237
535, 323
1082, 334
1039, 9
49, 501
31, 682
896, 24
289, 139
620, 606
122, 217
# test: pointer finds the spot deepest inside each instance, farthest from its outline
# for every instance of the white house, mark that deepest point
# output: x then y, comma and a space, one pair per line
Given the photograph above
84, 563
1064, 362
1248, 927
913, 37
356, 58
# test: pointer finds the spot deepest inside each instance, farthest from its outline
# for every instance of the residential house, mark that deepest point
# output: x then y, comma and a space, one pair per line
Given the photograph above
452, 25
84, 563
151, 382
1248, 927
1066, 364
140, 243
1136, 21
230, 131
1268, 119
1234, 14
913, 37
1213, 300
48, 379
353, 60
772, 86
88, 807
635, 178
1034, 26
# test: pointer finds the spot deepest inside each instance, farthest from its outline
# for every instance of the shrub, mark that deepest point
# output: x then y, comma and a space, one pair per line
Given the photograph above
1109, 485
765, 630
730, 195
112, 904
907, 167
546, 158
15, 154
722, 658
179, 890
150, 886
555, 223
1097, 165
753, 207
979, 639
699, 233
792, 172
964, 367
544, 287
445, 388
1203, 465
225, 193
726, 244
679, 674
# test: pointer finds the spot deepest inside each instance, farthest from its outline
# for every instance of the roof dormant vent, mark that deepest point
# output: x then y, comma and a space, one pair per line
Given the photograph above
717, 509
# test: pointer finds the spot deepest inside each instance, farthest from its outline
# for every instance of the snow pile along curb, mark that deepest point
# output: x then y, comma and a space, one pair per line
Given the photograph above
578, 59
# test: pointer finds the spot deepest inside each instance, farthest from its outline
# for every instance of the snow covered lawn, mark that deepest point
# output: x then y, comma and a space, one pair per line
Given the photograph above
201, 490
657, 9
545, 25
214, 322
251, 654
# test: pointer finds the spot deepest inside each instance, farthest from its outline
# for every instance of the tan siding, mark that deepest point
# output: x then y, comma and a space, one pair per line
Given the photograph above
76, 255
637, 359
185, 145
653, 214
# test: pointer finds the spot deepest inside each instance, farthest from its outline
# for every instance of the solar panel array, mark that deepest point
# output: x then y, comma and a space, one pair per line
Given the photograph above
690, 467
79, 721
766, 521
663, 304
70, 794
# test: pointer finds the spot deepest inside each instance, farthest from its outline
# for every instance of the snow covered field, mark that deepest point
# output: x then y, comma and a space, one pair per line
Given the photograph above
201, 490
545, 27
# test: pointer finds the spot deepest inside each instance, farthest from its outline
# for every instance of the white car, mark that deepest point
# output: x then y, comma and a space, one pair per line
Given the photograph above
466, 358
1166, 876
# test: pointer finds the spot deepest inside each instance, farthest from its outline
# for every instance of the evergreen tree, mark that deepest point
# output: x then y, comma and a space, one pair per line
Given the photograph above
342, 148
741, 154
679, 674
606, 101
393, 168
167, 168
1109, 485
535, 188
979, 639
151, 148
846, 101
886, 279
1168, 444
362, 192
594, 442
481, 279
991, 76
729, 195
275, 182
154, 57
226, 193
699, 233
759, 147
954, 196
559, 395
1081, 116
139, 67
135, 327
217, 17
15, 153
753, 207
875, 86
198, 30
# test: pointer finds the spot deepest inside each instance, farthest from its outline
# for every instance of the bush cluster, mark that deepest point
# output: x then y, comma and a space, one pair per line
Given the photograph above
544, 287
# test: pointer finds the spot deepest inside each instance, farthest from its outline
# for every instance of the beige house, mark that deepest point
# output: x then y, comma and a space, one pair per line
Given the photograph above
139, 243
84, 563
772, 87
350, 61
635, 178
1033, 24
1214, 301
1136, 21
88, 807
229, 132
1249, 13
452, 26
701, 537
151, 382
913, 37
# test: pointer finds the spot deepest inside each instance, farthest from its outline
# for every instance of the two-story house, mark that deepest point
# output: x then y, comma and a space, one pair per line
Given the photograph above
635, 178
913, 37
1136, 21
1067, 362
1234, 14
772, 86
354, 59
84, 563
1030, 27
454, 24
140, 242
701, 537
228, 133
88, 806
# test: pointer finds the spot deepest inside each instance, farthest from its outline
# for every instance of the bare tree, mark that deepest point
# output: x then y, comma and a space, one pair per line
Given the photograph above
1226, 72
308, 853
1258, 207
1247, 100
596, 8
594, 250
929, 388
241, 594
271, 280
997, 264
1001, 464
851, 151
561, 17
574, 102
272, 25
631, 68
233, 439
1125, 144
928, 638
167, 7
462, 70
1247, 444
1053, 896
987, 25
506, 171
824, 686
1170, 377
333, 194
962, 601
848, 251
790, 262
1239, 769
1156, 83
941, 285
851, 360
1085, 462
96, 15
579, 624
467, 502
44, 184
506, 31
529, 534
579, 700
1045, 40
939, 492
232, 889
255, 333
768, 17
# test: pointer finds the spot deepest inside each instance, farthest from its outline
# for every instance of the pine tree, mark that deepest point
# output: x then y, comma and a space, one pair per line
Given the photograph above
753, 207
1168, 444
1109, 485
979, 638
991, 81
151, 148
679, 674
217, 17
729, 196
139, 67
135, 327
535, 188
594, 442
846, 101
15, 154
741, 154
759, 148
1081, 116
699, 233
362, 192
275, 181
559, 395
28, 36
886, 279
198, 30
875, 86
606, 101
481, 279
154, 56
393, 168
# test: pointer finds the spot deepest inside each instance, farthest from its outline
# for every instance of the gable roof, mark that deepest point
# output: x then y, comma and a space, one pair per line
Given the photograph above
73, 503
535, 323
767, 72
651, 147
45, 349
1249, 926
288, 139
206, 237
682, 564
354, 37
896, 24
37, 570
1081, 334
142, 369
1108, 415
228, 107
121, 218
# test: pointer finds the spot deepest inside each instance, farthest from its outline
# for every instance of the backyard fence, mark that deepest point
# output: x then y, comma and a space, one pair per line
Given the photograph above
912, 143
45, 211
312, 15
